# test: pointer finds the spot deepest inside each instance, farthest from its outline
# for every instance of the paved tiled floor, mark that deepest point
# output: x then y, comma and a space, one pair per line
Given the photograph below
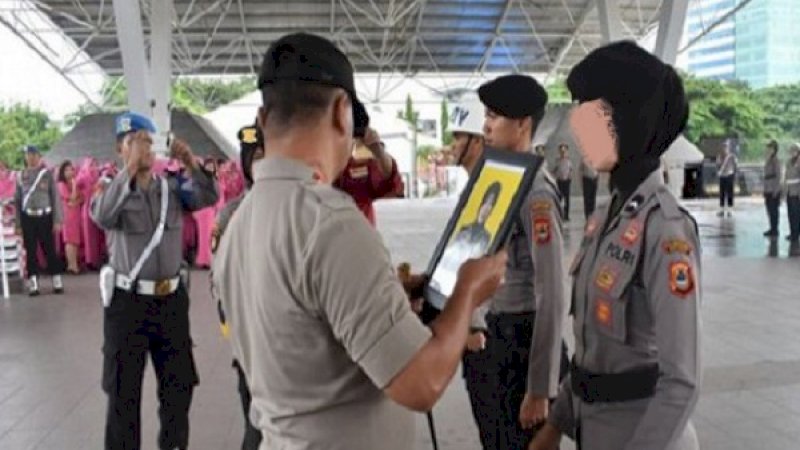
50, 396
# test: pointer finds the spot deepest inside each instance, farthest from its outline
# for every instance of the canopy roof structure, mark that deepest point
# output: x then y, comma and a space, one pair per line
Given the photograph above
399, 36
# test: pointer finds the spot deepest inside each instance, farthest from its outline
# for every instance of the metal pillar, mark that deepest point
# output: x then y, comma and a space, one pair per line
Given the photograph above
610, 21
161, 69
134, 60
148, 81
670, 29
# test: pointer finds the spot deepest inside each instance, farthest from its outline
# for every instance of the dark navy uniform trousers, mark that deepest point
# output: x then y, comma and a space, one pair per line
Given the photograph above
133, 327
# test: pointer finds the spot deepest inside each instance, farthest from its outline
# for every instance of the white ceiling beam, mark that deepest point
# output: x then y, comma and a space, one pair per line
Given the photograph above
567, 46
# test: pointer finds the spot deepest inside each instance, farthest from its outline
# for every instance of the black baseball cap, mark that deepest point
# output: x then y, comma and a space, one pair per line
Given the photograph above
313, 59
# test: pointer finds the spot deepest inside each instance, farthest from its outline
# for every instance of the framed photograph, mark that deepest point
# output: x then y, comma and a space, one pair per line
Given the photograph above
483, 219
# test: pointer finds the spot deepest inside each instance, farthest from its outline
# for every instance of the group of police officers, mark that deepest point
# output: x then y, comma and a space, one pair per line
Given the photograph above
330, 354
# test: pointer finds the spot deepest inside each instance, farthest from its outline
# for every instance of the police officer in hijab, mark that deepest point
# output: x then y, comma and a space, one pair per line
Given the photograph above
635, 377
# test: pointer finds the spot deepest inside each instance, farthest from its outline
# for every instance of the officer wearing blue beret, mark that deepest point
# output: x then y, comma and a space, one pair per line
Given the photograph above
146, 300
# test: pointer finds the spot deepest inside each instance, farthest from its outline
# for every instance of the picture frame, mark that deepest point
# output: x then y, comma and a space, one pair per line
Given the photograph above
485, 214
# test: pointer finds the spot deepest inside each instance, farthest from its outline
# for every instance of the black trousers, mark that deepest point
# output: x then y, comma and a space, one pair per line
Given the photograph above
133, 327
564, 187
509, 345
726, 190
252, 435
773, 202
482, 390
39, 230
793, 206
589, 195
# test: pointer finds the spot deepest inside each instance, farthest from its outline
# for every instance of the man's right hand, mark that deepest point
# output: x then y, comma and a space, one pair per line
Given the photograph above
138, 143
480, 278
547, 438
476, 341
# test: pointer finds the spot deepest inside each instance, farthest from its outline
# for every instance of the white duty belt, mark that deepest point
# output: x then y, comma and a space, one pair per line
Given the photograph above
147, 287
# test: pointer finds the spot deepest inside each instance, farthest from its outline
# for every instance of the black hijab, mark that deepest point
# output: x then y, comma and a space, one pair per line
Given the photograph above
649, 106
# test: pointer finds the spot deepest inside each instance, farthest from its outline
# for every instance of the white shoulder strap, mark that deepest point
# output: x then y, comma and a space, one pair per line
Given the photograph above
32, 188
158, 235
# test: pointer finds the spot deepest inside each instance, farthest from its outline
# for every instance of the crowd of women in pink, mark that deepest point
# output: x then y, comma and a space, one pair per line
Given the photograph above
83, 243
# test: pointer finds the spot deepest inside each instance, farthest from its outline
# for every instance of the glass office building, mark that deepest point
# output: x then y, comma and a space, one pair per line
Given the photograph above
759, 45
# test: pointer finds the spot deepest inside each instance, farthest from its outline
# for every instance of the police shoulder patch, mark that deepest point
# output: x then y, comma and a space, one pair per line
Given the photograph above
678, 246
681, 279
541, 206
603, 312
542, 229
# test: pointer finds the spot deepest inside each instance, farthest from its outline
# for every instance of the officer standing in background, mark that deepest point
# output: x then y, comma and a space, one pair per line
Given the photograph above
526, 315
727, 166
793, 192
145, 298
251, 149
772, 188
373, 178
466, 124
564, 177
334, 356
589, 177
39, 216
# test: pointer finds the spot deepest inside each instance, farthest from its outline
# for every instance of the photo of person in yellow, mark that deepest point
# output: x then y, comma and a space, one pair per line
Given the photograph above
475, 235
479, 221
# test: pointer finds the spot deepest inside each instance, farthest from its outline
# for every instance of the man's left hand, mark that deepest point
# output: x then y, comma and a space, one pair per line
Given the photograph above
57, 227
371, 138
533, 411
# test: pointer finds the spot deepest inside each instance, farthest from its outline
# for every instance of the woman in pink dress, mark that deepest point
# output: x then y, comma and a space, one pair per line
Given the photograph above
72, 199
93, 236
204, 219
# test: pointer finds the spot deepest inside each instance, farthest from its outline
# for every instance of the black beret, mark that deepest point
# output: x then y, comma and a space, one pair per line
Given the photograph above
514, 96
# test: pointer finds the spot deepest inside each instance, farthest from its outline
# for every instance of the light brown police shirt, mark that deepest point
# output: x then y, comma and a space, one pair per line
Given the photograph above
318, 319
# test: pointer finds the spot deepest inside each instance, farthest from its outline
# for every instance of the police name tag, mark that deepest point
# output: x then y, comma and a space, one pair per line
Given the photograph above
107, 285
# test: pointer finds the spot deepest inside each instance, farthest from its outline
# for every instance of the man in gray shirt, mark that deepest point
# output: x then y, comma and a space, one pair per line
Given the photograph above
564, 177
332, 352
772, 188
38, 217
526, 314
145, 297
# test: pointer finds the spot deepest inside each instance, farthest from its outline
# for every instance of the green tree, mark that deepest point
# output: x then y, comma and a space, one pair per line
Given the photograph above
195, 95
409, 114
444, 119
22, 125
557, 92
719, 108
782, 107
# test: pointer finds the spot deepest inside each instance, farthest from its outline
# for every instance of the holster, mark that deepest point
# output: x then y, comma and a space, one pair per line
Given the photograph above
107, 284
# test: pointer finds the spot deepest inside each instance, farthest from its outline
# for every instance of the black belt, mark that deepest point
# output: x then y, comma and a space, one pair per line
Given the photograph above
635, 384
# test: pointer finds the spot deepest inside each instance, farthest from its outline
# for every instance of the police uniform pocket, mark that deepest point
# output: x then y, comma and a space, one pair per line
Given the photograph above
134, 217
610, 304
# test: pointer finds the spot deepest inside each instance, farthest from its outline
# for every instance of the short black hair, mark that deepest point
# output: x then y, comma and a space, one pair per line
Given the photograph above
290, 103
62, 169
495, 189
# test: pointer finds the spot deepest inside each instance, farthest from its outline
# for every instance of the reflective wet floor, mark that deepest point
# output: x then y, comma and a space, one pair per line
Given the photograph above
50, 396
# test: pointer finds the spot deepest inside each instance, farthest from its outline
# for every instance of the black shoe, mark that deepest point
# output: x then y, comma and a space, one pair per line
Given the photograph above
770, 233
791, 238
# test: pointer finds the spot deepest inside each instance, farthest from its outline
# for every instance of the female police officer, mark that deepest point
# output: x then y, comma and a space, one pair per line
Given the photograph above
636, 292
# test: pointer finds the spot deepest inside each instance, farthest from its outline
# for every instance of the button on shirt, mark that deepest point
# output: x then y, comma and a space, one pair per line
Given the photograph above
318, 319
130, 216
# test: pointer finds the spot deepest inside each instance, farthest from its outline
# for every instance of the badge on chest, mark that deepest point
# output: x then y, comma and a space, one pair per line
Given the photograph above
359, 172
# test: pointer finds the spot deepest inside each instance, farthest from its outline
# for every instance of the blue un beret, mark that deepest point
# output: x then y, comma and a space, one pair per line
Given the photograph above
130, 122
